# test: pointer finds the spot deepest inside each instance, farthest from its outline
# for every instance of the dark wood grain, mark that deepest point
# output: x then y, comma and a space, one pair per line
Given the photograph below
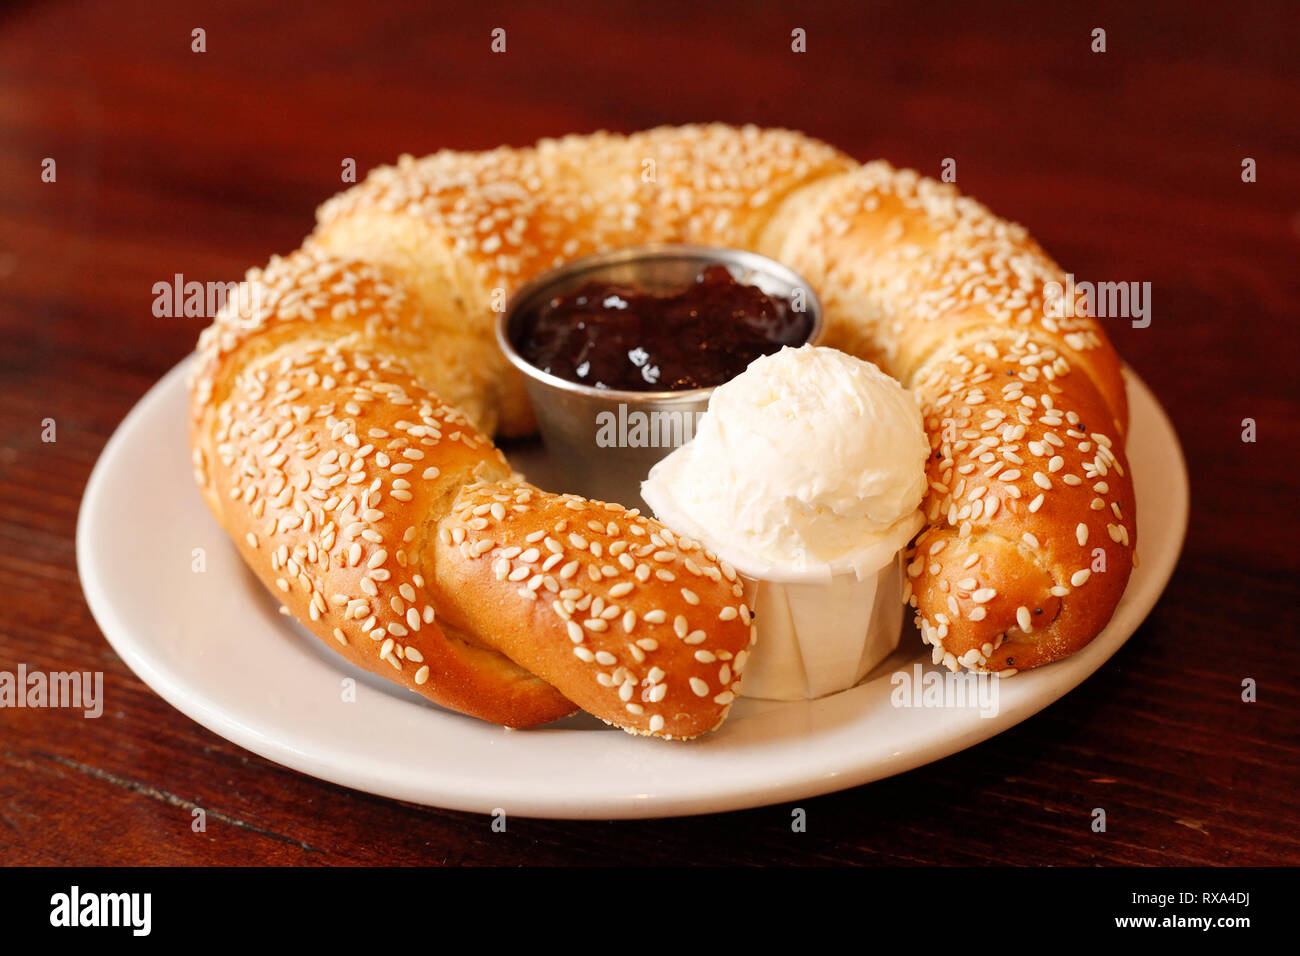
1126, 166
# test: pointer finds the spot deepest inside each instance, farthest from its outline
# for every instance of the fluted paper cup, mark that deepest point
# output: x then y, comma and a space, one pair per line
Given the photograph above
821, 637
820, 628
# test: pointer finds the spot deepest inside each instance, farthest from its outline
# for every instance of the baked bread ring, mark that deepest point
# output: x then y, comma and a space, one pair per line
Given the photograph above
342, 403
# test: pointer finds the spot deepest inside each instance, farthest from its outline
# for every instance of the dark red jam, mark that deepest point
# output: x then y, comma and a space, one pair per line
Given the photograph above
621, 337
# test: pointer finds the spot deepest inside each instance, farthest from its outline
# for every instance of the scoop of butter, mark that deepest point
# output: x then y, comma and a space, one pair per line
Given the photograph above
805, 474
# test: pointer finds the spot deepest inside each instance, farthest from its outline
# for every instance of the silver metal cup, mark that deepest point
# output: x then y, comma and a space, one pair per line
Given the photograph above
601, 441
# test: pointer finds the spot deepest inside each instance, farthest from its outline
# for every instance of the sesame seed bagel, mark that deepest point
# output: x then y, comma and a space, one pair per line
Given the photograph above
342, 403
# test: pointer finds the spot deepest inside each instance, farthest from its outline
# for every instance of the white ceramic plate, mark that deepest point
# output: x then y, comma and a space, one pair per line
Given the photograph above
215, 646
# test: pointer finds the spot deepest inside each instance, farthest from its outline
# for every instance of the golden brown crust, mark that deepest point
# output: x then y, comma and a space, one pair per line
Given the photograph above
319, 465
637, 625
1030, 508
315, 298
323, 444
467, 229
907, 268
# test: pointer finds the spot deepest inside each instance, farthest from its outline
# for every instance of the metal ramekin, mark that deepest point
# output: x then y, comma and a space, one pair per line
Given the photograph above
567, 412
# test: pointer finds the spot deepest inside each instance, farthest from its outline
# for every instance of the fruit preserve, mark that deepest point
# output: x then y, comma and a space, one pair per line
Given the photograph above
620, 337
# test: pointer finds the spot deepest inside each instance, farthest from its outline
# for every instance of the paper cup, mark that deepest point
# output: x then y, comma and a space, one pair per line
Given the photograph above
820, 629
821, 637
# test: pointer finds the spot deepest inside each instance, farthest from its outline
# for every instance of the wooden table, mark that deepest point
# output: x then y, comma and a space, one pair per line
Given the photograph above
1127, 165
